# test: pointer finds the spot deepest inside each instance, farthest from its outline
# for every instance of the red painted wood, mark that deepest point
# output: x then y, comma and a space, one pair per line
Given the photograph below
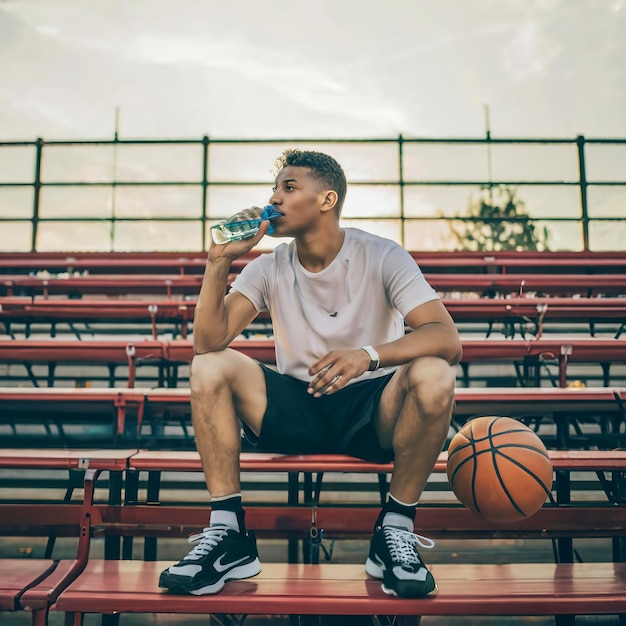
591, 350
113, 310
591, 397
269, 462
122, 285
39, 596
438, 521
582, 350
43, 310
16, 458
520, 589
80, 403
272, 520
16, 575
194, 262
176, 284
60, 351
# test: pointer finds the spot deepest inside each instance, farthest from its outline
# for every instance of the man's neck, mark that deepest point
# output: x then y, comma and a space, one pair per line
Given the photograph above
318, 252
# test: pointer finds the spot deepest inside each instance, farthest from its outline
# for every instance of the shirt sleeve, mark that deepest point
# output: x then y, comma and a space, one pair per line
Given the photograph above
252, 283
406, 285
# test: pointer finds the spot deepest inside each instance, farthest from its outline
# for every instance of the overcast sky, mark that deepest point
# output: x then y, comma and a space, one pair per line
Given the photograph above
328, 68
310, 69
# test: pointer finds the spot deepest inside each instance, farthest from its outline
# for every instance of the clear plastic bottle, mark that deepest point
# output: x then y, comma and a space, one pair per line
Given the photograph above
244, 224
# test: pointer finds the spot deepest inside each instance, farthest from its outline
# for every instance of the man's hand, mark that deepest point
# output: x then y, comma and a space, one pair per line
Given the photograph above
333, 371
235, 249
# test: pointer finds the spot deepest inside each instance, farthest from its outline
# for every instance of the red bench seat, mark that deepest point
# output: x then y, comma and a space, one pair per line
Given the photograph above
344, 589
189, 285
17, 575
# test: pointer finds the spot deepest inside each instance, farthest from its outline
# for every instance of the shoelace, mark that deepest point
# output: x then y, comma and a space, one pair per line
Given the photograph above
401, 544
208, 539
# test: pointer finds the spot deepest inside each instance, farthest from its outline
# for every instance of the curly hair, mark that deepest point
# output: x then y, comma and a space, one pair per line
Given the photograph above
321, 167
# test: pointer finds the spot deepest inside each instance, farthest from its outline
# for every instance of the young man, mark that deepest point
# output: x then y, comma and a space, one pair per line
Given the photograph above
350, 378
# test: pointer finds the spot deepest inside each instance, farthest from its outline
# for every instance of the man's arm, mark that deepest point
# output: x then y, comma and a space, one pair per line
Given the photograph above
433, 334
218, 317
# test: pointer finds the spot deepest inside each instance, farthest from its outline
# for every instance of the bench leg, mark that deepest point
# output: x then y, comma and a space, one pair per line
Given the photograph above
150, 544
333, 620
40, 617
74, 619
131, 494
293, 491
112, 544
563, 497
355, 620
396, 620
225, 619
619, 549
109, 620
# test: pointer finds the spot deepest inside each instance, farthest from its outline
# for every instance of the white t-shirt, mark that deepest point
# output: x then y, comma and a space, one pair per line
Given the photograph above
360, 299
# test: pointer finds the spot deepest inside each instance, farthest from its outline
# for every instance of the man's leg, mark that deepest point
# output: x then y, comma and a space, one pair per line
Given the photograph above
413, 419
226, 387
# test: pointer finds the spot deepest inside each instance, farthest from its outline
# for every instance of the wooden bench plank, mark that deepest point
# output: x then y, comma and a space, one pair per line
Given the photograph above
194, 262
605, 351
17, 575
100, 584
166, 460
29, 458
94, 351
589, 350
344, 520
189, 285
39, 597
354, 521
152, 409
26, 310
345, 589
29, 310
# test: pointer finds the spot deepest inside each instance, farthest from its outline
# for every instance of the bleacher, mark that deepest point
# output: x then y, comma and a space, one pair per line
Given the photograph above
93, 372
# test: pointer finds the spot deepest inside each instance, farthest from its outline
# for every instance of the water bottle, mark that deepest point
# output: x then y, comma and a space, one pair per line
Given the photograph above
244, 224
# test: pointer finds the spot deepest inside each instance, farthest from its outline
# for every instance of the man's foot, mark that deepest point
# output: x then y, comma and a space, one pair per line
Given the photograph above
221, 554
394, 558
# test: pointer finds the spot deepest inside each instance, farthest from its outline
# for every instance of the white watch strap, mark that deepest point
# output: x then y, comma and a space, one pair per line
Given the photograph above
374, 358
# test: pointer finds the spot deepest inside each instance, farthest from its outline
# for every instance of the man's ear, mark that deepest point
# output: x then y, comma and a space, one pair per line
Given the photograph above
330, 200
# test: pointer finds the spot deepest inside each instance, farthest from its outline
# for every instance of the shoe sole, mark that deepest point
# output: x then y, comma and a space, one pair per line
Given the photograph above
378, 571
238, 573
392, 592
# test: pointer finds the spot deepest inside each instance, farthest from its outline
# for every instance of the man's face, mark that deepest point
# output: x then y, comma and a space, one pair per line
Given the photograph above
299, 197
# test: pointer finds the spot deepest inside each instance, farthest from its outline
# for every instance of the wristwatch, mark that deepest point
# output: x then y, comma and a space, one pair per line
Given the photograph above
374, 358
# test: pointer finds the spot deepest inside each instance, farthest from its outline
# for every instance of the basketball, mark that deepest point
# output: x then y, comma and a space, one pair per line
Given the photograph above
499, 468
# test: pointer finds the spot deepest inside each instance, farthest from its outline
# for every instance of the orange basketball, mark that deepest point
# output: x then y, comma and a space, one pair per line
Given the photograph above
499, 468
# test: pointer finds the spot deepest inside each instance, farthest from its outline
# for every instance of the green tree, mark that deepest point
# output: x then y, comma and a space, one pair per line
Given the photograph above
498, 220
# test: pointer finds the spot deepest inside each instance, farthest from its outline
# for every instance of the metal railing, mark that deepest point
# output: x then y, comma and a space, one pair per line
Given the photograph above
399, 179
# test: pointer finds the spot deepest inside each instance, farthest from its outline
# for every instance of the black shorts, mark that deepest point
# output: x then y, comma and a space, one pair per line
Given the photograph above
341, 423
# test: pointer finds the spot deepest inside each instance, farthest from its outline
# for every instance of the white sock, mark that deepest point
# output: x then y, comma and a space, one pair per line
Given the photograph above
398, 520
226, 515
225, 518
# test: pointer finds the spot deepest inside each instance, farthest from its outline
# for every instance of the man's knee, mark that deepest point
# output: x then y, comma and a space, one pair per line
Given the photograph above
208, 371
227, 370
431, 380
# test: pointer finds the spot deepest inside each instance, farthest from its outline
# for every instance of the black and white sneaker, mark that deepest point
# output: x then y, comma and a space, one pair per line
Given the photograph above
221, 554
394, 559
